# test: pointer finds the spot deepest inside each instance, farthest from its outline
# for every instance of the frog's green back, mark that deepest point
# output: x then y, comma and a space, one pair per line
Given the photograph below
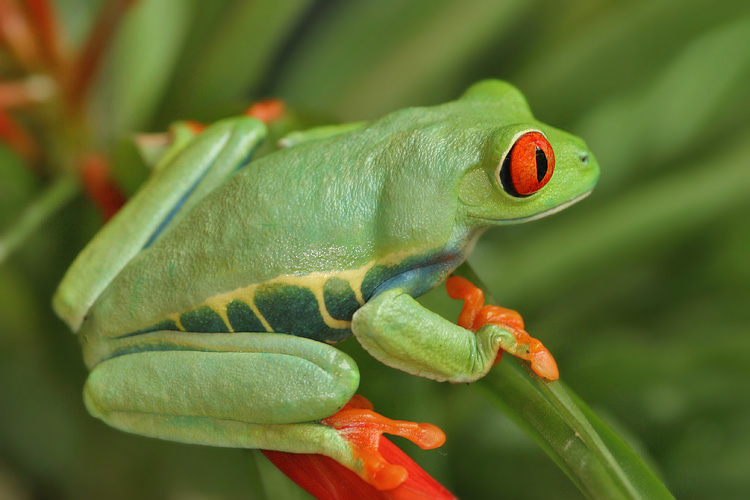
314, 230
385, 192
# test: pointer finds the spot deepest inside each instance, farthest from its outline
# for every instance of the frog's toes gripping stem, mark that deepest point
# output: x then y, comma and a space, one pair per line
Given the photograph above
361, 427
475, 315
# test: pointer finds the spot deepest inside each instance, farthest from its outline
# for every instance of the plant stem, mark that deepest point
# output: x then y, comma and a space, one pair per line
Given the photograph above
597, 460
54, 197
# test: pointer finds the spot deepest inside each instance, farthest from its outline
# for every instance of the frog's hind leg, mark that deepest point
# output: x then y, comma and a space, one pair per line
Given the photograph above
201, 388
168, 193
247, 390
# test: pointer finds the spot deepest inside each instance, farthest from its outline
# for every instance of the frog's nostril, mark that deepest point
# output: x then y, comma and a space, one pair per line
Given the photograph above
584, 157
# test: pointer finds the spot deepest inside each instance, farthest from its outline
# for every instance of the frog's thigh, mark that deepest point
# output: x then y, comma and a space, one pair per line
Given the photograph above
240, 389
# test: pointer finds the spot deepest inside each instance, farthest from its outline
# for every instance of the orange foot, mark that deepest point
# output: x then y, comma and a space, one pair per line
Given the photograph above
267, 111
475, 315
362, 428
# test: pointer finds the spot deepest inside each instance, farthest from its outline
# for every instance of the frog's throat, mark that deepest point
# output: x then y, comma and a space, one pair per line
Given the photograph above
551, 211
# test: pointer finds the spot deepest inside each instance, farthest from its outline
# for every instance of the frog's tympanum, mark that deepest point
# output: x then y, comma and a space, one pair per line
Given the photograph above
207, 307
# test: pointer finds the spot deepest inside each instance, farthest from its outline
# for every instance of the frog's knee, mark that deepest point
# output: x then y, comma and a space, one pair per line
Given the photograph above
93, 398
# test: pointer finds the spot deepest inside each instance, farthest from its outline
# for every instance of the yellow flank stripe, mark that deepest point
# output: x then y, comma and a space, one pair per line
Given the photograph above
176, 318
220, 309
258, 315
313, 282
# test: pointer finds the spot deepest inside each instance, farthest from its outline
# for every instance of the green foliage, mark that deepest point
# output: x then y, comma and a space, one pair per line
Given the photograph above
640, 291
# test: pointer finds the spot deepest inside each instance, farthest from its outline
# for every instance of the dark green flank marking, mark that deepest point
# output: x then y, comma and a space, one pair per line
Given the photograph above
339, 298
242, 318
294, 310
203, 319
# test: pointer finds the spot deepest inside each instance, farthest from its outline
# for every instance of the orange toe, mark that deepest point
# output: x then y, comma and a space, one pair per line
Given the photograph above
267, 111
544, 364
474, 315
362, 428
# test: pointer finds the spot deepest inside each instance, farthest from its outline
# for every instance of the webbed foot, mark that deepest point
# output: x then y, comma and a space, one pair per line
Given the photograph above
362, 427
475, 315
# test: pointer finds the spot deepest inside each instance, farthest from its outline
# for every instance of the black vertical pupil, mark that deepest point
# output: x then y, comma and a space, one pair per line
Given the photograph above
541, 164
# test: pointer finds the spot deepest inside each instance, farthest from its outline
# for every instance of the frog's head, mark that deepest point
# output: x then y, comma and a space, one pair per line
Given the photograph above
529, 169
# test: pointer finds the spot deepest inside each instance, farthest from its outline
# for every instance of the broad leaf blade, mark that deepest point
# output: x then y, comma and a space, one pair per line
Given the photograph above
599, 463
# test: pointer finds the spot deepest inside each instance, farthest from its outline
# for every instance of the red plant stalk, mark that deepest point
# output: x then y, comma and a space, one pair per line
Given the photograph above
16, 137
44, 21
88, 62
17, 35
326, 479
99, 186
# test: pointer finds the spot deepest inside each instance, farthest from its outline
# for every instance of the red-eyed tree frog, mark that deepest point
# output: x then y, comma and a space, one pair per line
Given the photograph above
206, 308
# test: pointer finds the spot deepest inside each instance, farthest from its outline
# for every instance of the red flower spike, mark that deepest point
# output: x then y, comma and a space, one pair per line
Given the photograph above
362, 428
90, 58
17, 94
326, 479
267, 111
16, 137
392, 475
17, 35
474, 316
43, 19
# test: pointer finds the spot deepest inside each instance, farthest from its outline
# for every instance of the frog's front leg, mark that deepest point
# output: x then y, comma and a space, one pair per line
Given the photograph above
399, 332
247, 390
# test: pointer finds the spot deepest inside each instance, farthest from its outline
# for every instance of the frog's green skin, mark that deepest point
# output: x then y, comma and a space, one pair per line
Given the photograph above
202, 323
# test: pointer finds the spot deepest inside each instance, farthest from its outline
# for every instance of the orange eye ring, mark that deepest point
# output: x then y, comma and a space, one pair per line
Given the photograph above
528, 166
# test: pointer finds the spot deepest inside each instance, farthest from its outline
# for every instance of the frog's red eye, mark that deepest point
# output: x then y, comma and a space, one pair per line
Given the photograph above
528, 166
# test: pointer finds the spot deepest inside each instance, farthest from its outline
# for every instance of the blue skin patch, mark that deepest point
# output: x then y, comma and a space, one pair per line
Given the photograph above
415, 276
171, 214
294, 310
420, 280
167, 324
182, 201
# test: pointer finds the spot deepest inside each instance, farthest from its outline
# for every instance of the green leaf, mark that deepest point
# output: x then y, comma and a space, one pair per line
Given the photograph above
599, 463
608, 49
140, 64
16, 184
395, 53
682, 102
233, 60
39, 211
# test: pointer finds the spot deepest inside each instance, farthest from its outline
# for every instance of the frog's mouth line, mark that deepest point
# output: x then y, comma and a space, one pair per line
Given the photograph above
551, 211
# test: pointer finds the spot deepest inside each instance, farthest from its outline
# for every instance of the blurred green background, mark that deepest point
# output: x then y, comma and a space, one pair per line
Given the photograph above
642, 291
